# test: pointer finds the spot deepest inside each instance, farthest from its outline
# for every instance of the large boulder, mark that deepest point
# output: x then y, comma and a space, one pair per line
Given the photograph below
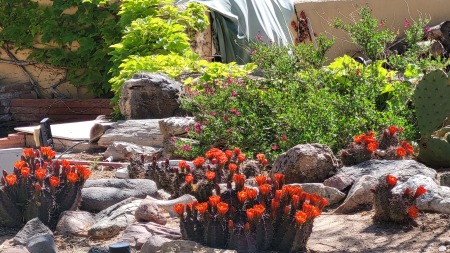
150, 96
402, 169
306, 163
139, 233
139, 132
360, 195
176, 126
149, 211
33, 227
100, 194
75, 223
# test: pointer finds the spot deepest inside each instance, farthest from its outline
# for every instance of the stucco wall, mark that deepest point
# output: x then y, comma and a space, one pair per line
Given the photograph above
321, 14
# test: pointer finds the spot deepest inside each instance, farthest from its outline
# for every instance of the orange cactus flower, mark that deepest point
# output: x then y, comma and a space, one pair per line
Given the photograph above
323, 203
179, 208
11, 179
278, 194
199, 161
420, 191
413, 212
84, 172
242, 196
358, 138
250, 214
260, 157
391, 180
314, 199
228, 153
182, 164
300, 217
28, 152
20, 164
201, 207
279, 178
237, 151
274, 204
25, 172
260, 179
295, 200
306, 207
315, 211
214, 200
230, 225
222, 159
40, 173
210, 175
48, 152
264, 162
264, 189
189, 178
233, 167
72, 177
372, 146
54, 181
259, 210
392, 129
65, 163
251, 194
401, 152
241, 157
409, 149
222, 208
239, 179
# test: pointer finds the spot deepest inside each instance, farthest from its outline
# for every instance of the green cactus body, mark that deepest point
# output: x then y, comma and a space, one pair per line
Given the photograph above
433, 110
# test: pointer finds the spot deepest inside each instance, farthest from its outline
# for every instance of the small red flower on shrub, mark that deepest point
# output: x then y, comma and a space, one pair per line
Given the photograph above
391, 180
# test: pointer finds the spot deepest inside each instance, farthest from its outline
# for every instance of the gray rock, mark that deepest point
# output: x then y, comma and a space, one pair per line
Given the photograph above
444, 179
150, 96
153, 244
180, 246
168, 204
176, 126
306, 163
33, 227
333, 195
149, 211
16, 249
437, 198
359, 196
41, 244
139, 233
139, 132
75, 223
96, 249
402, 169
120, 151
114, 219
100, 194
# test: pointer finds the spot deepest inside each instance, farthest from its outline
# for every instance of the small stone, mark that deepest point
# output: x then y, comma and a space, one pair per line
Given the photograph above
122, 173
98, 250
41, 244
442, 248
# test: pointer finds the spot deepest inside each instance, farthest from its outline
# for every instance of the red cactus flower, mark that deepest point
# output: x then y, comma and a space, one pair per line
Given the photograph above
201, 207
279, 178
230, 225
392, 130
237, 151
264, 189
408, 148
210, 175
54, 181
250, 214
372, 146
408, 192
20, 164
413, 212
65, 163
401, 152
247, 227
242, 196
222, 208
241, 157
233, 167
260, 179
214, 200
323, 203
239, 179
28, 152
229, 153
179, 208
315, 211
278, 194
48, 152
391, 180
85, 173
274, 204
25, 172
189, 178
251, 194
38, 187
358, 138
199, 161
260, 157
222, 159
300, 217
287, 210
314, 199
259, 210
72, 177
264, 162
182, 164
40, 174
420, 191
11, 179
295, 200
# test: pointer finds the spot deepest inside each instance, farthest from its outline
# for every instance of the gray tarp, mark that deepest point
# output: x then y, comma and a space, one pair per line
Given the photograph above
237, 22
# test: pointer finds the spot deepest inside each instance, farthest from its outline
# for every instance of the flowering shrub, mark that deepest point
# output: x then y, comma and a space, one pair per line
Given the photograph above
40, 187
365, 147
394, 207
216, 167
280, 217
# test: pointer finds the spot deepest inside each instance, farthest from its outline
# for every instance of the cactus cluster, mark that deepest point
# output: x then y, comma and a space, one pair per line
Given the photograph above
433, 111
387, 146
40, 187
216, 167
395, 207
273, 216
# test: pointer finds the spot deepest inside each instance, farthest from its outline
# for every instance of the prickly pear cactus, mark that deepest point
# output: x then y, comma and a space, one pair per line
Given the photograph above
433, 118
